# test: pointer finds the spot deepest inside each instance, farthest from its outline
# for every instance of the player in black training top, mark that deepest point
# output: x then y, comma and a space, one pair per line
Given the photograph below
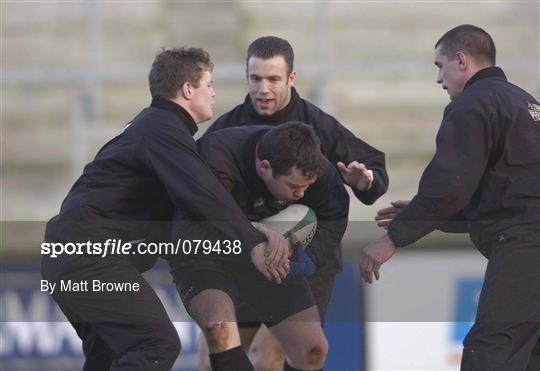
265, 169
148, 173
273, 100
483, 179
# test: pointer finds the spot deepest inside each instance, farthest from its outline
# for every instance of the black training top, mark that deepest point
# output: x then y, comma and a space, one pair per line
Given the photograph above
149, 172
230, 154
486, 167
337, 143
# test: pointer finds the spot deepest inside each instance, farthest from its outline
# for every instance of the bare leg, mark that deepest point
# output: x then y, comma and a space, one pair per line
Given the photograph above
204, 355
213, 310
302, 339
265, 352
246, 336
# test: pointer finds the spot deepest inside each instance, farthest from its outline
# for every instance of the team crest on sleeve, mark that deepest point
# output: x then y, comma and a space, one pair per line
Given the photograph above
534, 110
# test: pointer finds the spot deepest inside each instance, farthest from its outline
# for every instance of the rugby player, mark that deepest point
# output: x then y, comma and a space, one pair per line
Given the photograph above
272, 100
484, 179
148, 173
265, 169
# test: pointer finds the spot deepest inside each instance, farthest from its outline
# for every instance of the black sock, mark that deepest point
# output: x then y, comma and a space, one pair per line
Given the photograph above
289, 368
232, 359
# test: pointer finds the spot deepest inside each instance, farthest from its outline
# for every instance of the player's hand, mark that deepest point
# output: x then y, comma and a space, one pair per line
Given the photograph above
385, 216
356, 175
276, 274
373, 256
277, 250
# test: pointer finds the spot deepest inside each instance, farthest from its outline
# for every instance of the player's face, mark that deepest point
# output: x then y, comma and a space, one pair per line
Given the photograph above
269, 84
203, 99
451, 73
289, 187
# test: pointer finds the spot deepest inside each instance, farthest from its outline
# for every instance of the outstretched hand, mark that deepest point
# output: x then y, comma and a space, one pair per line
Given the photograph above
385, 216
356, 175
373, 256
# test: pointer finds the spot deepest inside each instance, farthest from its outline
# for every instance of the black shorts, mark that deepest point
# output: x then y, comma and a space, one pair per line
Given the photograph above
321, 289
119, 325
271, 303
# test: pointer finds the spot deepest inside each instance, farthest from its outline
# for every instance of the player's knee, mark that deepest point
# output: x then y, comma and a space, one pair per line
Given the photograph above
315, 354
217, 335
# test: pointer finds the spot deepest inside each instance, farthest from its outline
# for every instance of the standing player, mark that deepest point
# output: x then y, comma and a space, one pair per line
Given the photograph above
273, 100
145, 174
485, 176
266, 168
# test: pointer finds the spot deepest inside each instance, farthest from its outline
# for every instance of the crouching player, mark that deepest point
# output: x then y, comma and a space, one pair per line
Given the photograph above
265, 169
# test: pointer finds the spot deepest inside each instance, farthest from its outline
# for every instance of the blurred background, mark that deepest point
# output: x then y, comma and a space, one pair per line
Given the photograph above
74, 73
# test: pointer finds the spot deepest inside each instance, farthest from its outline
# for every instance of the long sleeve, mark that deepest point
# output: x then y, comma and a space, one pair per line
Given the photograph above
339, 144
193, 188
452, 177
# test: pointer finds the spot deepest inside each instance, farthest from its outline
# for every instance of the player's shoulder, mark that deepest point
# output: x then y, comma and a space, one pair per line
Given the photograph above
149, 124
154, 121
487, 90
317, 117
230, 117
234, 132
315, 110
329, 170
475, 105
232, 138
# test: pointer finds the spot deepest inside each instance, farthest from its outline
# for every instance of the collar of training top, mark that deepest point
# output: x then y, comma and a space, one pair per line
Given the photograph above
487, 73
279, 117
178, 110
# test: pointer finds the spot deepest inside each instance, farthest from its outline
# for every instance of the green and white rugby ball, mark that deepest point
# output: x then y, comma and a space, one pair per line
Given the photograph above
296, 218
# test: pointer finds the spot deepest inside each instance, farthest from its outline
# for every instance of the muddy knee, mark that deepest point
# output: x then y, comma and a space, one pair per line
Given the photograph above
218, 336
316, 354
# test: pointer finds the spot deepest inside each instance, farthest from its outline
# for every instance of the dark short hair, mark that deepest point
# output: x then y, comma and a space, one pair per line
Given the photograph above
470, 39
267, 47
291, 144
173, 67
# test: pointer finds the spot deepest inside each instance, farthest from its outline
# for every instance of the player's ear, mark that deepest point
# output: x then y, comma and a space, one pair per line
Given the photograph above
266, 167
187, 90
463, 60
292, 78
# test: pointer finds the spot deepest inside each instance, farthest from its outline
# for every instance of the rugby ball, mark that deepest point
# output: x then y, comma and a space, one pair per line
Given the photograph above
296, 218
